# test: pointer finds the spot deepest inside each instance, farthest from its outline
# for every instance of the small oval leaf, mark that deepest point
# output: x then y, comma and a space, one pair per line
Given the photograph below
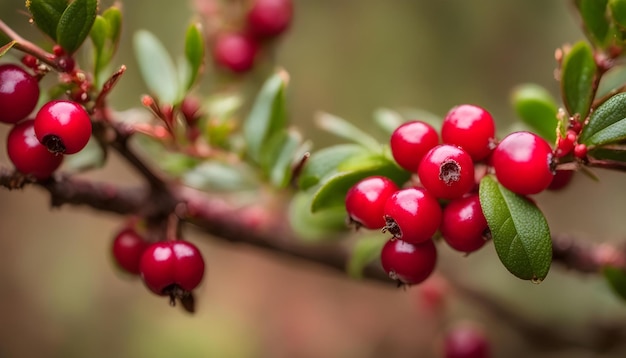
156, 66
325, 162
267, 116
595, 19
388, 120
519, 230
75, 24
578, 72
46, 14
616, 279
607, 124
537, 108
365, 251
194, 52
332, 191
315, 227
344, 129
217, 176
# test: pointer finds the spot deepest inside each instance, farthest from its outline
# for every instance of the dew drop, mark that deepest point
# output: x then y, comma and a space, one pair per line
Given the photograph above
536, 280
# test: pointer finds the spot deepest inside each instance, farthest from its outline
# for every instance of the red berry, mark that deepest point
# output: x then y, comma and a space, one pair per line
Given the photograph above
447, 172
28, 155
463, 224
128, 246
365, 201
269, 18
235, 52
63, 126
561, 179
411, 141
565, 144
412, 215
170, 265
580, 151
19, 93
30, 61
471, 128
466, 341
66, 63
408, 263
523, 163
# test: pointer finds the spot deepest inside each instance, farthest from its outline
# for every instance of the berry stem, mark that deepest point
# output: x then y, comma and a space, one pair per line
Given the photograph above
30, 48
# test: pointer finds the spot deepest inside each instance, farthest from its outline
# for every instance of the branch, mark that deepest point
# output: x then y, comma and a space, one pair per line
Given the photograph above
30, 48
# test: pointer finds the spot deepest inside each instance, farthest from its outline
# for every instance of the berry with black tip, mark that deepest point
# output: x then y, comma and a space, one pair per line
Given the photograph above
28, 155
447, 172
19, 93
365, 201
408, 263
63, 126
412, 215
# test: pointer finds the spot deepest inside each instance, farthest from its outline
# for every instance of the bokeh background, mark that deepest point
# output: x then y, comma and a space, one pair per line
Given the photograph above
60, 295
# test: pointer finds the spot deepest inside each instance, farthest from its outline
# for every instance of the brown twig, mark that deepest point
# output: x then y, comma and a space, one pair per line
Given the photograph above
30, 48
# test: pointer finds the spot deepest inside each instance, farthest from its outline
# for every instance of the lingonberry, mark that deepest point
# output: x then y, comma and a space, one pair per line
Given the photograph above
19, 93
28, 155
408, 263
580, 151
471, 128
169, 267
63, 126
466, 341
561, 179
523, 163
463, 224
235, 51
447, 171
412, 215
30, 61
128, 247
66, 63
269, 18
410, 142
565, 144
365, 201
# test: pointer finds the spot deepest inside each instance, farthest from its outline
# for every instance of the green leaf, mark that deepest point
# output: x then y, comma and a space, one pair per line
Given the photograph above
578, 72
321, 226
537, 108
388, 120
98, 33
278, 157
594, 15
616, 279
618, 12
332, 191
344, 129
105, 34
75, 24
607, 124
365, 251
519, 230
612, 154
217, 176
4, 49
113, 15
194, 52
156, 66
46, 14
325, 162
267, 116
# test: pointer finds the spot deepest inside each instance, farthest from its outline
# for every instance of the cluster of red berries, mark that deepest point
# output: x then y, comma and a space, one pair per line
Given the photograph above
168, 268
265, 20
443, 195
36, 146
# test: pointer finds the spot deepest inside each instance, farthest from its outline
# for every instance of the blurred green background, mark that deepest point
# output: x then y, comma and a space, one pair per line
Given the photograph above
60, 296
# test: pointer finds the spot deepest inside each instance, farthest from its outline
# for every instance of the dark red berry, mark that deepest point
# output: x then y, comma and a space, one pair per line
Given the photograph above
58, 51
408, 263
447, 172
412, 215
66, 63
28, 155
234, 51
463, 225
466, 341
561, 179
411, 141
63, 126
171, 265
128, 247
565, 144
471, 128
580, 151
523, 163
365, 201
30, 61
19, 93
269, 18
190, 108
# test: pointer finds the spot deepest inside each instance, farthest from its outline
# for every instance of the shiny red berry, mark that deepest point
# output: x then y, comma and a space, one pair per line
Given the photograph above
447, 172
523, 163
466, 341
63, 126
235, 52
269, 18
128, 247
410, 142
561, 180
463, 225
412, 215
169, 266
28, 155
19, 93
365, 201
408, 263
471, 128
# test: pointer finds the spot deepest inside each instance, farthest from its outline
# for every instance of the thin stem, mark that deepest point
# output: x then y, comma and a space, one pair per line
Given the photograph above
29, 47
